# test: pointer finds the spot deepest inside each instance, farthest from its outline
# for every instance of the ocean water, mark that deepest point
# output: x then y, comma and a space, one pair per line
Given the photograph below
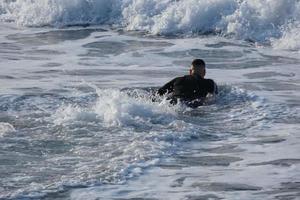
77, 116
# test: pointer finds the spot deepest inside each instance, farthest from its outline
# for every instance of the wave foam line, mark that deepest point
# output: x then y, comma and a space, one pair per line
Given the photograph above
268, 21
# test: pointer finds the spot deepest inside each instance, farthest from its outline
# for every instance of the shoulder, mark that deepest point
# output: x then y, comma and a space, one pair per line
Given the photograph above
180, 78
210, 81
175, 79
187, 77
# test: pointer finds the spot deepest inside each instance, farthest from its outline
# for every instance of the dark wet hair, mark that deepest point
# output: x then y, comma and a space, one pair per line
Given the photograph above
198, 63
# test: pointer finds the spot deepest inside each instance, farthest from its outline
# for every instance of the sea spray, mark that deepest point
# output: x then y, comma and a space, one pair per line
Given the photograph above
6, 128
58, 13
259, 20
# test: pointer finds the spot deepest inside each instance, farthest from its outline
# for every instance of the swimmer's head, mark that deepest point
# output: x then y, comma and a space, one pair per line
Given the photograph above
198, 67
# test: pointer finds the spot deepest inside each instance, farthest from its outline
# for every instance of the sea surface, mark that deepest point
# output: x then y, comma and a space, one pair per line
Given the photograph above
77, 116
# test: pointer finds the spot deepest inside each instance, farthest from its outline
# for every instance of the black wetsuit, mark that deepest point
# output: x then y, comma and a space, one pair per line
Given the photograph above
190, 89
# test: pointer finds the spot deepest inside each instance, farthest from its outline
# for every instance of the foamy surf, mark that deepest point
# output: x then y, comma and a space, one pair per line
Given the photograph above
6, 128
267, 22
80, 121
110, 135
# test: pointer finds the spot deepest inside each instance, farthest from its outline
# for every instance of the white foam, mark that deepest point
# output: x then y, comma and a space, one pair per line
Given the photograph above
115, 134
56, 12
258, 20
65, 113
116, 108
171, 17
290, 39
6, 128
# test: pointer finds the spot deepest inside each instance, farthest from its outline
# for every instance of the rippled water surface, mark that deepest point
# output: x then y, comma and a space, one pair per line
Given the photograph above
78, 120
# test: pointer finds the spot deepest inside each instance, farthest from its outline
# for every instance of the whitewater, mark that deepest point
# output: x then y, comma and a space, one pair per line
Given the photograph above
78, 119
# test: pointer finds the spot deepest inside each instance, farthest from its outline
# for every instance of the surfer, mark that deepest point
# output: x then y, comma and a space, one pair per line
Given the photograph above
190, 89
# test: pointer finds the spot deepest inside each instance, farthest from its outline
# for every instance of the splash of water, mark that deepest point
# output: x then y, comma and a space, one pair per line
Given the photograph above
271, 22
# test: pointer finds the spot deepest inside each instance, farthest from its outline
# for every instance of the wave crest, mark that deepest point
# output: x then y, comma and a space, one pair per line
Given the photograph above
264, 21
58, 13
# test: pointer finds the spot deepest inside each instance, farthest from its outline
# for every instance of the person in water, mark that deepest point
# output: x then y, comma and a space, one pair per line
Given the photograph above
190, 89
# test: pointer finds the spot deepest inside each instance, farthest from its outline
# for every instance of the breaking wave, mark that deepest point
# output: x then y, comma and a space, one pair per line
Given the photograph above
265, 21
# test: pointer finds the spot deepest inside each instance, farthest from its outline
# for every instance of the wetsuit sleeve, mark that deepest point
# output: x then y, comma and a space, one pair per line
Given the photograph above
212, 88
167, 88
